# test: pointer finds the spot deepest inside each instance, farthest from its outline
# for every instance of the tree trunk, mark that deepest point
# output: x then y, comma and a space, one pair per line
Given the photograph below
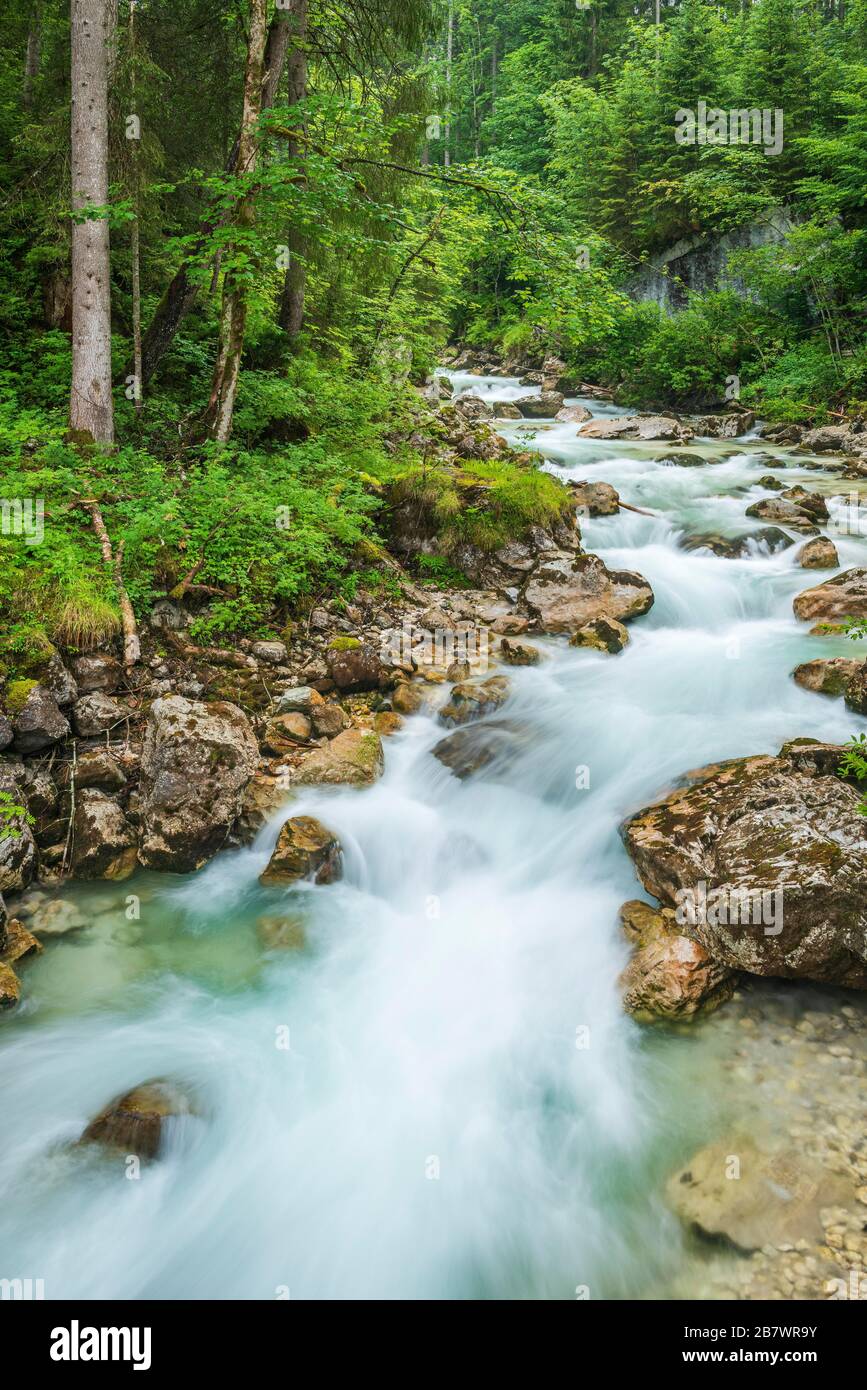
181, 294
291, 313
135, 236
450, 40
233, 318
91, 408
31, 62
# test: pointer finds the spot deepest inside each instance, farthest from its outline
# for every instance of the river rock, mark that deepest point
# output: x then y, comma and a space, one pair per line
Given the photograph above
10, 987
103, 841
736, 1192
827, 676
565, 592
301, 699
39, 722
286, 731
766, 863
139, 1122
728, 426
856, 690
407, 698
771, 483
786, 512
636, 427
474, 699
354, 758
56, 917
545, 406
305, 850
818, 554
826, 439
595, 499
196, 763
518, 653
669, 975
473, 408
813, 503
603, 635
97, 672
842, 597
573, 414
682, 458
95, 714
356, 668
507, 410
329, 719
469, 751
19, 943
266, 794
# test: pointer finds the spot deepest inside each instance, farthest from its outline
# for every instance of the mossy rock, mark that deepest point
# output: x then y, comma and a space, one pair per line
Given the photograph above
16, 696
344, 644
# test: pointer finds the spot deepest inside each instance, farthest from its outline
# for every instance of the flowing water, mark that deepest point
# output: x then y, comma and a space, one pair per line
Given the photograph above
438, 1095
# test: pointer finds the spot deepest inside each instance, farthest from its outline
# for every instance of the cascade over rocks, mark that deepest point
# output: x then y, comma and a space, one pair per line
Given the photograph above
766, 860
474, 699
141, 1121
197, 760
305, 849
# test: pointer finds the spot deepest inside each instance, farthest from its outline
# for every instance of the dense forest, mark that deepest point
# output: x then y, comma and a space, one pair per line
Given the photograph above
283, 213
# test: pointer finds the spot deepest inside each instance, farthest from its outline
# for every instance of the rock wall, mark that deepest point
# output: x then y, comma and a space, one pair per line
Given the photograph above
699, 263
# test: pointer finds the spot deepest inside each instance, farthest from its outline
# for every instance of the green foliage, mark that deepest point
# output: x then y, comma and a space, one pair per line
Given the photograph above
854, 764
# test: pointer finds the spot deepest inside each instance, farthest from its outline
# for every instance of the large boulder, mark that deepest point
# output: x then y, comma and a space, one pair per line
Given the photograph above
566, 591
765, 861
828, 676
305, 849
354, 758
595, 499
856, 689
576, 414
39, 723
728, 426
545, 406
669, 976
637, 427
827, 439
473, 699
59, 681
103, 841
845, 596
196, 762
752, 1198
818, 554
785, 512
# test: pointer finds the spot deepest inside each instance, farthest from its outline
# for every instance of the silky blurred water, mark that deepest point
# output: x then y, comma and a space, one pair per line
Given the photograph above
437, 1095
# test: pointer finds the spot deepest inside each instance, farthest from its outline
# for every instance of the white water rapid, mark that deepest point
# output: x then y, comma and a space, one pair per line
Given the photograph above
436, 1126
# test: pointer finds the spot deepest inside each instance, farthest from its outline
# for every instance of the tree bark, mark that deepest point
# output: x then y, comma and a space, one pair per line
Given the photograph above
181, 294
291, 312
91, 408
450, 40
31, 62
233, 318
